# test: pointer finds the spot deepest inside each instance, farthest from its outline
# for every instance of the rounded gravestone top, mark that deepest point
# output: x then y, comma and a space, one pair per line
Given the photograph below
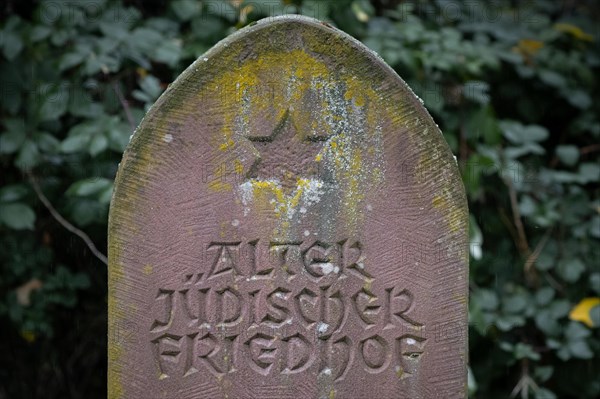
288, 222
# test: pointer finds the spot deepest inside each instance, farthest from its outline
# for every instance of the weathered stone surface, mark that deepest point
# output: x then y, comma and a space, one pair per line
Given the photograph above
288, 222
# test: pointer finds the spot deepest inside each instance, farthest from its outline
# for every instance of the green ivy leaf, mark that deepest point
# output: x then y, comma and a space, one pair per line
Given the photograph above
54, 101
487, 299
571, 269
568, 154
186, 9
546, 322
552, 78
544, 296
80, 136
70, 60
98, 144
28, 157
10, 142
17, 216
12, 192
579, 99
543, 393
580, 349
589, 172
515, 303
13, 44
518, 133
90, 186
39, 32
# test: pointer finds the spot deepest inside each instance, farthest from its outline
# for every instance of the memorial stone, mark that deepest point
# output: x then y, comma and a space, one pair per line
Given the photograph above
288, 222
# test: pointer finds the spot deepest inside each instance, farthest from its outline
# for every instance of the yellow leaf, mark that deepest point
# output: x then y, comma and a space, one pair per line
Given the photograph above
28, 336
581, 312
530, 46
142, 73
574, 31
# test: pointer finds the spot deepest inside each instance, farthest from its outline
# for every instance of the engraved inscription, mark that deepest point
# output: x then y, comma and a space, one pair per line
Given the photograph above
282, 307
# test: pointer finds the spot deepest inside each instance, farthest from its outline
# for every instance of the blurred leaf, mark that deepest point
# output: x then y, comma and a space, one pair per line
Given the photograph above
10, 142
580, 99
28, 156
186, 9
12, 192
98, 144
568, 154
543, 393
91, 186
571, 269
54, 101
544, 295
580, 349
12, 44
17, 216
522, 134
589, 172
477, 91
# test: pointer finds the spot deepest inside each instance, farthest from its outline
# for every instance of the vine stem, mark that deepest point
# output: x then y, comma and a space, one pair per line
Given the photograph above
125, 106
64, 222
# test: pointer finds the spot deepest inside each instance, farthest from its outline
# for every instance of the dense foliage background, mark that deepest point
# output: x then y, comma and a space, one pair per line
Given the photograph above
513, 85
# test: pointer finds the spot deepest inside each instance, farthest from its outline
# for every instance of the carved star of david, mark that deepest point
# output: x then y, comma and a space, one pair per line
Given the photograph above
285, 155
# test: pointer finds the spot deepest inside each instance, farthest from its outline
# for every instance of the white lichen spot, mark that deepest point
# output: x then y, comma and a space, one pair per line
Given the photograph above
327, 267
312, 192
322, 328
369, 207
205, 59
302, 210
167, 138
326, 371
360, 265
235, 223
336, 269
246, 192
306, 233
411, 341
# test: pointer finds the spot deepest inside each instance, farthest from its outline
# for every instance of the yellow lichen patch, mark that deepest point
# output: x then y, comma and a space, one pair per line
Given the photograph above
439, 202
400, 372
219, 186
239, 167
115, 352
228, 144
265, 87
355, 90
453, 214
356, 192
147, 270
282, 204
219, 183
